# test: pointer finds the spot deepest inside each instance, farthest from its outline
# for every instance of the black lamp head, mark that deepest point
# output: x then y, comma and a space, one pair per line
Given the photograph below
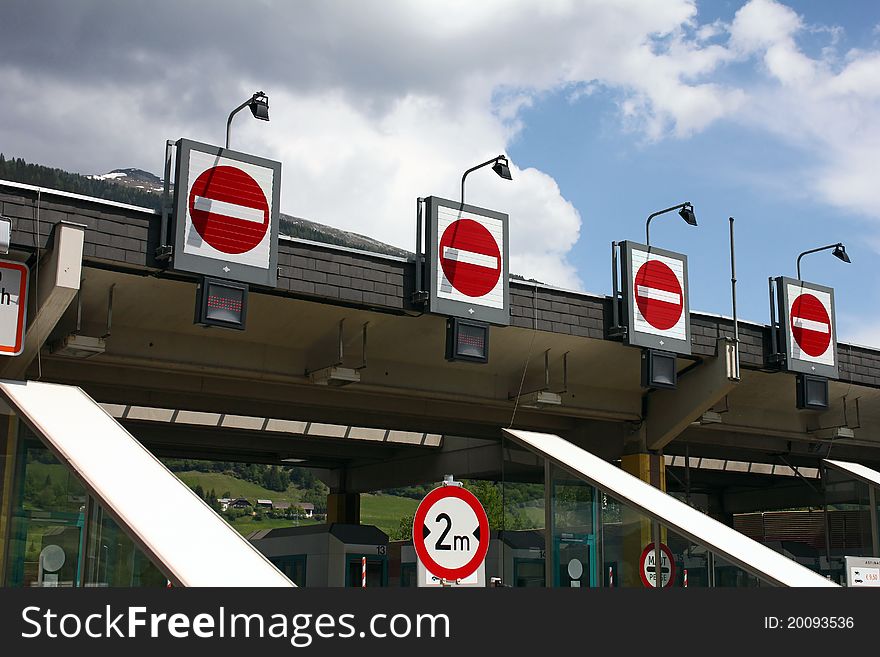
502, 168
840, 252
687, 213
259, 105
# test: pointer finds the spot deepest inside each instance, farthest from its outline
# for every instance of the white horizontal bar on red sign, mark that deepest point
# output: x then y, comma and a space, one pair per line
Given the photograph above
470, 257
658, 295
242, 212
811, 325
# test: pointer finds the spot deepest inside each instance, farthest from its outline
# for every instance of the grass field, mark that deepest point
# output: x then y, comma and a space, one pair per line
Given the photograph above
246, 524
385, 511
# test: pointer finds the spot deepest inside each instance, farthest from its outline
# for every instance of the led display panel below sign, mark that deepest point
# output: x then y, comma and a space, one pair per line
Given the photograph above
656, 296
226, 214
467, 261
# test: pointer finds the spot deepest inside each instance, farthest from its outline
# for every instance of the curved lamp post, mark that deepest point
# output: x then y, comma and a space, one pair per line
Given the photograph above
499, 166
839, 253
259, 104
685, 210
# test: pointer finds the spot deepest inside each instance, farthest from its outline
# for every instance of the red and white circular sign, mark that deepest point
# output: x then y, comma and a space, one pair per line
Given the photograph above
470, 257
451, 533
810, 324
229, 209
648, 570
658, 294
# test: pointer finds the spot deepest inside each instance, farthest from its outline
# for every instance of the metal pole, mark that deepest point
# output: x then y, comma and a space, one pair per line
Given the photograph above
816, 250
465, 175
774, 348
419, 202
231, 114
658, 576
166, 194
733, 297
615, 287
548, 525
875, 531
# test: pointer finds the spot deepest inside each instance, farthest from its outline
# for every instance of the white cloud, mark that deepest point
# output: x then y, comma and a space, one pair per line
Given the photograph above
372, 104
375, 103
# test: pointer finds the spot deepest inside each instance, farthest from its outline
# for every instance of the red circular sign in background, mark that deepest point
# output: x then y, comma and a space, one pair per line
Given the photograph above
471, 236
419, 539
649, 549
657, 275
227, 234
812, 342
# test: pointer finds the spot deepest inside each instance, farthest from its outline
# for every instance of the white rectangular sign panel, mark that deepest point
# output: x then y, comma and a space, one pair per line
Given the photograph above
13, 306
807, 327
467, 261
226, 214
862, 571
655, 290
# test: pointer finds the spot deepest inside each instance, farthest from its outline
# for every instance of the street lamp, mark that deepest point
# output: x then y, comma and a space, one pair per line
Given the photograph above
259, 104
685, 210
839, 253
499, 166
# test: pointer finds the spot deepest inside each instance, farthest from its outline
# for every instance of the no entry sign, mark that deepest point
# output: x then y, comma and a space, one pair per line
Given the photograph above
648, 568
658, 293
807, 327
810, 325
467, 261
229, 210
451, 533
470, 258
226, 218
656, 297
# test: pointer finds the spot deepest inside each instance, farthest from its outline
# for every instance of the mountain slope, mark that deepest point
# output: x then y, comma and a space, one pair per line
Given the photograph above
144, 189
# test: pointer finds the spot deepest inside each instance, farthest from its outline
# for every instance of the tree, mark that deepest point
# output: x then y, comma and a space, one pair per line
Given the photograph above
403, 531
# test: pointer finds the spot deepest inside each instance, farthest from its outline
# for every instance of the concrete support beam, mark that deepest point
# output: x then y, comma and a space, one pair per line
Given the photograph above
462, 457
669, 412
771, 498
53, 287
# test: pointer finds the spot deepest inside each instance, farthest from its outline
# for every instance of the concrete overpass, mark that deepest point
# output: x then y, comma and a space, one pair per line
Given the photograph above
185, 390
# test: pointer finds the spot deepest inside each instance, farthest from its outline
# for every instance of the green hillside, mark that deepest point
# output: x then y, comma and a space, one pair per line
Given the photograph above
384, 511
222, 483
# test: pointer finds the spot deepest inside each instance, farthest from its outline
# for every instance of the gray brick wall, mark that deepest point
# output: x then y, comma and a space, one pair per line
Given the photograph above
328, 273
127, 238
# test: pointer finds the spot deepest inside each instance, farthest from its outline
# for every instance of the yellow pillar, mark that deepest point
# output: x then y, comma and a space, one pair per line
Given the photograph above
344, 507
650, 468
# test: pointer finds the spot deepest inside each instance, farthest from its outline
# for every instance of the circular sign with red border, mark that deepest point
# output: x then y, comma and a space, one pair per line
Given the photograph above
451, 533
658, 295
470, 257
810, 325
229, 209
647, 571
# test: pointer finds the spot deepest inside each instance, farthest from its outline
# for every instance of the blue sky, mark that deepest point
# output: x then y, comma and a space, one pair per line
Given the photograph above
766, 110
616, 178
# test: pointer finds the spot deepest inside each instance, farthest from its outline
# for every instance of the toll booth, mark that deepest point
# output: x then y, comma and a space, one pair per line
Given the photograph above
326, 555
516, 557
